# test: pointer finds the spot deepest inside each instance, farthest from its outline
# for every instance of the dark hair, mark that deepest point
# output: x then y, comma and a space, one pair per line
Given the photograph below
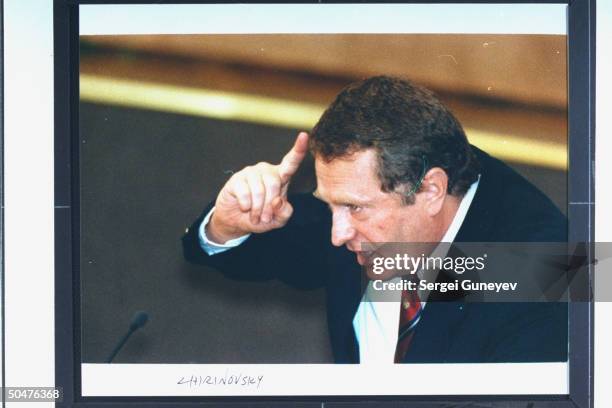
407, 126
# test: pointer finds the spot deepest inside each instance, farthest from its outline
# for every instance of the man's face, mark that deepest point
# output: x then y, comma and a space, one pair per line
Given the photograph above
361, 211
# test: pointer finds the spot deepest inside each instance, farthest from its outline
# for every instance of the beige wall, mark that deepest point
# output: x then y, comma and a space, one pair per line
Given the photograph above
519, 68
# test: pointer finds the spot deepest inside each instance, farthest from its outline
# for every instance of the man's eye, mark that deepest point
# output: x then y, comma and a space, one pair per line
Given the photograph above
354, 208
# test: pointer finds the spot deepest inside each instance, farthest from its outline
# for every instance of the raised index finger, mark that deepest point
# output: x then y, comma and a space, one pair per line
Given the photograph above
292, 160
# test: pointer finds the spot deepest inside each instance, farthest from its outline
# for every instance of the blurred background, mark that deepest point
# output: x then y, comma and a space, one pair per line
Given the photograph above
165, 119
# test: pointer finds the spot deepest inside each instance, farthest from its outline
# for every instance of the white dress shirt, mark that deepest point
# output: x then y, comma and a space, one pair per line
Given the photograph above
376, 323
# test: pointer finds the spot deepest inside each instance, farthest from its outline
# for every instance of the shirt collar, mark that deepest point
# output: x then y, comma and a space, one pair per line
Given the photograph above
455, 225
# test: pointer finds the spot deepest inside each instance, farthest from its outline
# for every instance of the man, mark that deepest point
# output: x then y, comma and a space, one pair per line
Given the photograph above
392, 165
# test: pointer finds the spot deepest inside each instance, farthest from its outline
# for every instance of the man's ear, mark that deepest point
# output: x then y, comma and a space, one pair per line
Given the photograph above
433, 190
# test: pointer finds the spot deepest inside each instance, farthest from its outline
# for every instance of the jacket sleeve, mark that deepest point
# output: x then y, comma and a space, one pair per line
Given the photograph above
294, 254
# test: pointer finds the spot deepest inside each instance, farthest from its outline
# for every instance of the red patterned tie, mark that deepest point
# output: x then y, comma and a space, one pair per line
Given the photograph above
410, 313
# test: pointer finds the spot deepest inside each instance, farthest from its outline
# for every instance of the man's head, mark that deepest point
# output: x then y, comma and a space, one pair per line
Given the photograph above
392, 162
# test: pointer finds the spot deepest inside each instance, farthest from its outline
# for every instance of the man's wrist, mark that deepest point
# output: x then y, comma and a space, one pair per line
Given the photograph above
219, 234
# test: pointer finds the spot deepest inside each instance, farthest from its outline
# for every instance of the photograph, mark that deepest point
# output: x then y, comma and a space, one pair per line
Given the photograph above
171, 126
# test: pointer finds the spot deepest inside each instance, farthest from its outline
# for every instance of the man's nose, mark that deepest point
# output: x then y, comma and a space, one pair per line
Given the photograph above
342, 230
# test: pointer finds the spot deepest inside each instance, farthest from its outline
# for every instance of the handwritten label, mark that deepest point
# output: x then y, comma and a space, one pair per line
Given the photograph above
238, 380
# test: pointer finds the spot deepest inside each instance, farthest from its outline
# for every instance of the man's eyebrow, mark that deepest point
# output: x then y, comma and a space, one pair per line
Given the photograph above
356, 201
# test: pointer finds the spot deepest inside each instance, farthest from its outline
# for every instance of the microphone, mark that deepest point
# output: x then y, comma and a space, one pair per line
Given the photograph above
139, 320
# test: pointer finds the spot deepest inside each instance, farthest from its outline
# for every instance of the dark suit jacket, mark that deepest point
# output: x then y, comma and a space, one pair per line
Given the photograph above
506, 208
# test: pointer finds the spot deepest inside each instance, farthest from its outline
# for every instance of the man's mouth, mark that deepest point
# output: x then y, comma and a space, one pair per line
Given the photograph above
364, 252
363, 257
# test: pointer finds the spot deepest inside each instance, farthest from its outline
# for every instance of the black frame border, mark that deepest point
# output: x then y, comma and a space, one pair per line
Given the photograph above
2, 270
581, 145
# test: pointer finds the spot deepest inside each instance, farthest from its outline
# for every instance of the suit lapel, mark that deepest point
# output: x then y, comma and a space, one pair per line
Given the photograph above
434, 334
